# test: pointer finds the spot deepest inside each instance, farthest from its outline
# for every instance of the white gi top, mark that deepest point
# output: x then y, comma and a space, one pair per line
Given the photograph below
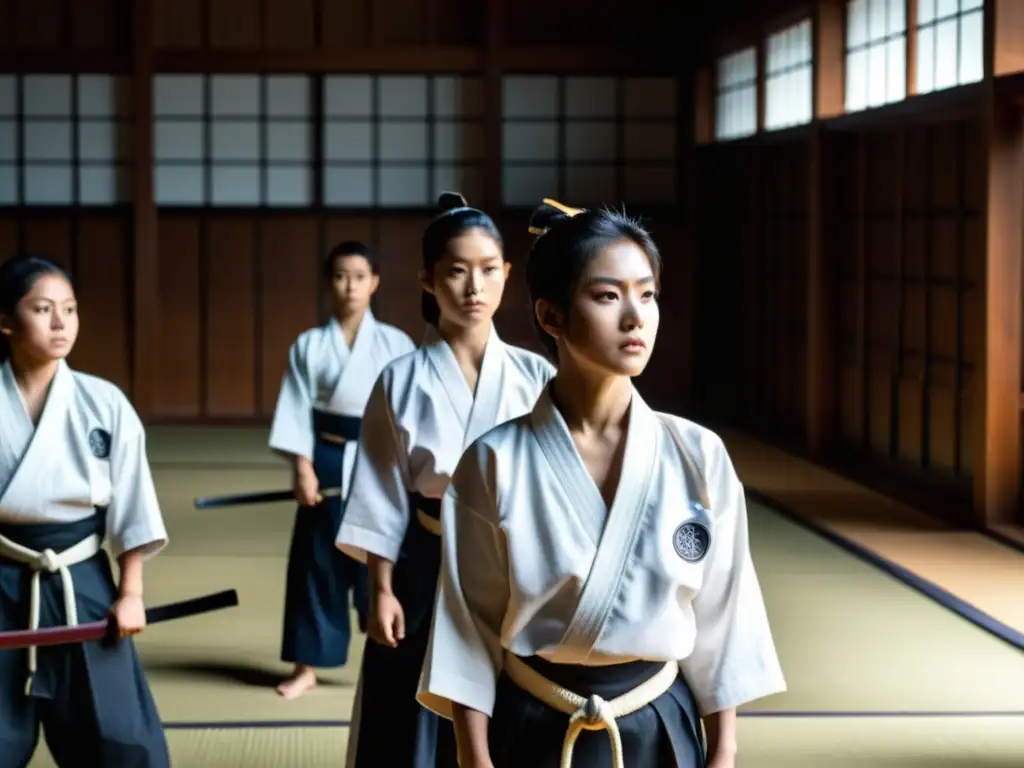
534, 563
420, 418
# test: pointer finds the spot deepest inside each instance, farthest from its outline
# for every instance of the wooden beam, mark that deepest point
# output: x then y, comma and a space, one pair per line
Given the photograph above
494, 18
704, 106
997, 464
145, 279
822, 365
452, 59
64, 61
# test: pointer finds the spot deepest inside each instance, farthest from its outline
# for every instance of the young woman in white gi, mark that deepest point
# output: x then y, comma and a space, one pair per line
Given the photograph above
331, 370
425, 409
596, 570
73, 471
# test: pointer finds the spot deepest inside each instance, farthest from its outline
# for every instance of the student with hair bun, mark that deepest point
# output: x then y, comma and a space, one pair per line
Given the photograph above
597, 597
425, 408
331, 370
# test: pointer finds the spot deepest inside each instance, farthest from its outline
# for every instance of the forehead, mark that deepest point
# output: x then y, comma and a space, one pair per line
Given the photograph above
50, 288
351, 261
623, 260
473, 246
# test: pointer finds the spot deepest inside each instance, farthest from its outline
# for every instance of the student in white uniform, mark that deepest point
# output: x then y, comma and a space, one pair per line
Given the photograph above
73, 471
595, 549
425, 409
331, 370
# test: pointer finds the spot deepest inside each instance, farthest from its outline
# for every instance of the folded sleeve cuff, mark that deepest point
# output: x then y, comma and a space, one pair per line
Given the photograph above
358, 543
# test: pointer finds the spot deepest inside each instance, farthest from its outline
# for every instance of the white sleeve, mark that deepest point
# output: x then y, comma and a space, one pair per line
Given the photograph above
734, 659
377, 510
292, 429
464, 656
134, 518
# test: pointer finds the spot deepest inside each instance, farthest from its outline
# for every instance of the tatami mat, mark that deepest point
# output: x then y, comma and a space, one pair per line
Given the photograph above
980, 571
764, 743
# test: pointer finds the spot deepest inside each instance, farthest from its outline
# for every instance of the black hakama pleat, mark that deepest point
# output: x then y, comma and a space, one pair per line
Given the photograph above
317, 624
91, 699
526, 732
390, 727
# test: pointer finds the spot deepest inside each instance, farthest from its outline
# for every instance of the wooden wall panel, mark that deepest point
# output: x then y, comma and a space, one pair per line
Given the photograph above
297, 25
228, 266
234, 24
909, 314
10, 235
781, 328
58, 25
346, 25
179, 24
398, 240
290, 257
102, 274
290, 24
179, 370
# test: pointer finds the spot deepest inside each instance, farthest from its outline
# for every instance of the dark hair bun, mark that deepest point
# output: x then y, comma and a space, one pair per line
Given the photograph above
544, 217
449, 201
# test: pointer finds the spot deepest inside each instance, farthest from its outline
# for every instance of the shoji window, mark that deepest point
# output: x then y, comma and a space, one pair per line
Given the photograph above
589, 140
531, 148
64, 140
876, 53
233, 140
396, 141
179, 140
950, 43
736, 95
789, 77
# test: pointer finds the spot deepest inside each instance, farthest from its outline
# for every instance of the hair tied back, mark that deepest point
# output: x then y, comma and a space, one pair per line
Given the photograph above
550, 213
451, 201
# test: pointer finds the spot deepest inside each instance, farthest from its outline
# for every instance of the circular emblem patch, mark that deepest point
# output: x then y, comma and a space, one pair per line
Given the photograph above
691, 541
99, 443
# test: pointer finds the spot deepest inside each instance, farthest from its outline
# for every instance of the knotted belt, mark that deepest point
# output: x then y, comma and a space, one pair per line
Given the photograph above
49, 561
594, 713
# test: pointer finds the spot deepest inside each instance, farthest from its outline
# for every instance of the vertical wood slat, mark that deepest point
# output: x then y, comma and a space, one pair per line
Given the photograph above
997, 455
492, 105
821, 361
145, 267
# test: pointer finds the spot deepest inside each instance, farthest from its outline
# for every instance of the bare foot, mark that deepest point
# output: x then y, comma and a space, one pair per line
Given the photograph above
303, 680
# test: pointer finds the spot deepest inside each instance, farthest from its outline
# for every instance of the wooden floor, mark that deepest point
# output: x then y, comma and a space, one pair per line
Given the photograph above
983, 573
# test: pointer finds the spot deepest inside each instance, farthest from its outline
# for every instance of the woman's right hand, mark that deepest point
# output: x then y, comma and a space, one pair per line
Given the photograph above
306, 487
387, 620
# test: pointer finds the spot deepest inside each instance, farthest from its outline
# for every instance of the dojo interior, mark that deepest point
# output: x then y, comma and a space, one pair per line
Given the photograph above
837, 188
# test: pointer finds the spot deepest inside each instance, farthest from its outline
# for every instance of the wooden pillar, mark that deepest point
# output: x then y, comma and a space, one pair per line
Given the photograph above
145, 285
491, 85
997, 466
828, 91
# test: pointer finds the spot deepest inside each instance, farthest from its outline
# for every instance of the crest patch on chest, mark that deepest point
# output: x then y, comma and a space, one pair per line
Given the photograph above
99, 443
692, 541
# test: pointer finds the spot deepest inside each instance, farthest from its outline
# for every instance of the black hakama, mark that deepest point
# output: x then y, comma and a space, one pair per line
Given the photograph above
391, 728
92, 699
666, 733
317, 625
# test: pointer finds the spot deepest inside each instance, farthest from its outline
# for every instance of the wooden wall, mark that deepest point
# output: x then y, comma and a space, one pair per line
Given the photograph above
860, 274
190, 308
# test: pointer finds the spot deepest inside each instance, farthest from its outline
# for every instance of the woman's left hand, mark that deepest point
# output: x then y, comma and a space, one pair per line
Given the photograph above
722, 761
130, 614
